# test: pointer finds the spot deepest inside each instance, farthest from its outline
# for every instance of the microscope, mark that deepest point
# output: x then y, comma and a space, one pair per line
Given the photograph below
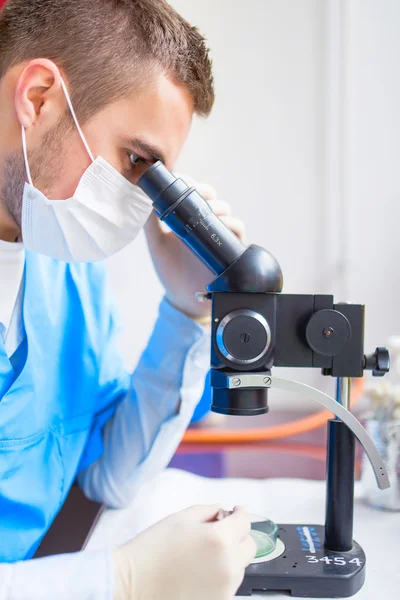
254, 328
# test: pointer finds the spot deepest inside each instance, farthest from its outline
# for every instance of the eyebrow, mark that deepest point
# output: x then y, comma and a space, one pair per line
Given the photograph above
152, 151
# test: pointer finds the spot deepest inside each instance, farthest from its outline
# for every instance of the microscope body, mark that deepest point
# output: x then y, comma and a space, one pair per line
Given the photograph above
252, 332
308, 331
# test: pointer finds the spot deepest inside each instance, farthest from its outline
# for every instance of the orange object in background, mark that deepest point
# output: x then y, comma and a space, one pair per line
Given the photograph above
276, 432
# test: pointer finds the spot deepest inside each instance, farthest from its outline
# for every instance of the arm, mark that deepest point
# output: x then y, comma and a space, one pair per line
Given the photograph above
82, 576
143, 434
138, 440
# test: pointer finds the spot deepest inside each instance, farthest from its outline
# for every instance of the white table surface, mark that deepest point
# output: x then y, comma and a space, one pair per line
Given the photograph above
282, 500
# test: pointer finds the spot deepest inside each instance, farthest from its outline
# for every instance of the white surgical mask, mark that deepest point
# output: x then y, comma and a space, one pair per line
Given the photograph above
103, 216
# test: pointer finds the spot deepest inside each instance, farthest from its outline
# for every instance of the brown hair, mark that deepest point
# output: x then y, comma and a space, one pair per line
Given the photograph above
107, 48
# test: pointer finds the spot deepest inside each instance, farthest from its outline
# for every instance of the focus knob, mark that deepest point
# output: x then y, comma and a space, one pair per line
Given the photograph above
327, 332
378, 362
243, 336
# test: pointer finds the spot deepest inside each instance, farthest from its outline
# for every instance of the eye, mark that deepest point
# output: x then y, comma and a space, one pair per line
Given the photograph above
135, 165
135, 159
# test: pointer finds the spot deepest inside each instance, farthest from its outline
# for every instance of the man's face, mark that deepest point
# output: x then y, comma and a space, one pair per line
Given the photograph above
130, 134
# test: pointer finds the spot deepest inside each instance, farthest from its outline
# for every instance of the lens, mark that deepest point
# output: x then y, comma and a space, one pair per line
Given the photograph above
243, 402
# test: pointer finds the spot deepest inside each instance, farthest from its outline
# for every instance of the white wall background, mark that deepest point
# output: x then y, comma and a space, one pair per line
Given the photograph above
304, 142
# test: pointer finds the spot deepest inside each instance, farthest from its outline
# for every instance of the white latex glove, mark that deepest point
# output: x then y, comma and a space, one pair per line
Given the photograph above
187, 556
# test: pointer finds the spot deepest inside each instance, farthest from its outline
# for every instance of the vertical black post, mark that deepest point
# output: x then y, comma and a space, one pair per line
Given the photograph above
339, 487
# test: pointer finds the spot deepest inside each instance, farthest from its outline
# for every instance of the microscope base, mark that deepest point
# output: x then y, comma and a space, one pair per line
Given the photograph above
306, 569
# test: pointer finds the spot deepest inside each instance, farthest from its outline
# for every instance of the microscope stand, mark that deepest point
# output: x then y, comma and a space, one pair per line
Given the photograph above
306, 569
315, 561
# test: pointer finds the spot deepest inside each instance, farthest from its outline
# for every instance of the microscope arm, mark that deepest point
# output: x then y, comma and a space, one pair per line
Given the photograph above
258, 380
344, 415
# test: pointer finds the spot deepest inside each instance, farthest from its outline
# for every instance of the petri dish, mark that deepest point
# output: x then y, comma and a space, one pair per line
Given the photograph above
265, 534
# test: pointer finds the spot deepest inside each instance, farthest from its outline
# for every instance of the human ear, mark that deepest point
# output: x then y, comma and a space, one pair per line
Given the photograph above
39, 99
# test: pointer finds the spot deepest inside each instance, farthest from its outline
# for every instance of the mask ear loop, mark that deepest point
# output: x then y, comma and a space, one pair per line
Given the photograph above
71, 108
28, 171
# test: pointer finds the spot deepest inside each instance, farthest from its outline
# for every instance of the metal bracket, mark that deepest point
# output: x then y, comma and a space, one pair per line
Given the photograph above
265, 380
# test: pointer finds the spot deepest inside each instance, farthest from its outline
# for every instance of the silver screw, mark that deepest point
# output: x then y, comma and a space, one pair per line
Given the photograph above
236, 382
267, 380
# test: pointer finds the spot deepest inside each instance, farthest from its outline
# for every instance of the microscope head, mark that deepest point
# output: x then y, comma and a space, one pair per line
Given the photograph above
254, 325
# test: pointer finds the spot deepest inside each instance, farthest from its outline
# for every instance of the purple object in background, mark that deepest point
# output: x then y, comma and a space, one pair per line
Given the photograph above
207, 464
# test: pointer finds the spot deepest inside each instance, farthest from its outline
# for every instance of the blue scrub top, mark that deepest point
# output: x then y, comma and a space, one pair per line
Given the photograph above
56, 393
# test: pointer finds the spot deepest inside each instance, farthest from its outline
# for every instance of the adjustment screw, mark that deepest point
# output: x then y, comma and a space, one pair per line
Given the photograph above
328, 332
236, 382
267, 380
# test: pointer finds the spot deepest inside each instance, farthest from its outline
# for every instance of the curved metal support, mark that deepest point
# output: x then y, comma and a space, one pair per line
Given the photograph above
344, 415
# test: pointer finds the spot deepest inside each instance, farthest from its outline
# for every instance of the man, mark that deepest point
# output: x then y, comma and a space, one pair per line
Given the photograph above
91, 94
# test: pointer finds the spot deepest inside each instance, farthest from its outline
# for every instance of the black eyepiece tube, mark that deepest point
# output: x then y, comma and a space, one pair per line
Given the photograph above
191, 218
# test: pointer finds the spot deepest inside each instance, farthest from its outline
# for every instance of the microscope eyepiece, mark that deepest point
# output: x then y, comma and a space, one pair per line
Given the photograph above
156, 179
190, 217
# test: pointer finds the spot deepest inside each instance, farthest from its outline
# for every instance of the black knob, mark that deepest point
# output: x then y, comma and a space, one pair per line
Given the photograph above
243, 336
328, 332
378, 362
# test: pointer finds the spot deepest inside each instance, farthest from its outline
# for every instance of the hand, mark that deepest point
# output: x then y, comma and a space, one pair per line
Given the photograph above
179, 270
187, 555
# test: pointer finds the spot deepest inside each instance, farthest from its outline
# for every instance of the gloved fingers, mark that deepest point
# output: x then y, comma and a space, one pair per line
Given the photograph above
237, 524
187, 179
202, 513
235, 225
248, 550
205, 190
220, 208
